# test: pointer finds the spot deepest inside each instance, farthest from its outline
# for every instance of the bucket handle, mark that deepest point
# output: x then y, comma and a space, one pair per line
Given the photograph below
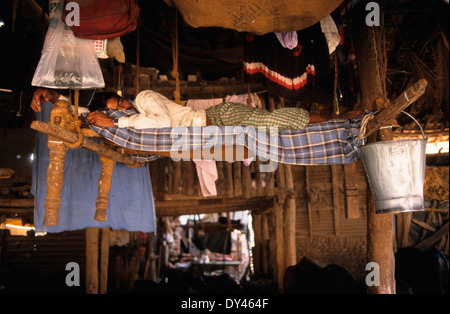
360, 136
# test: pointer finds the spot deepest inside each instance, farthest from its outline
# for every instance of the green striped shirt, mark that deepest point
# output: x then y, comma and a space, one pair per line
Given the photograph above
234, 114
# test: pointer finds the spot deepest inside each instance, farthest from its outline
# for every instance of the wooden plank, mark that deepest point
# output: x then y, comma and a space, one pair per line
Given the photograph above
265, 252
246, 181
290, 219
270, 183
423, 225
222, 153
431, 240
175, 172
92, 260
228, 169
308, 202
351, 191
237, 178
406, 227
337, 188
210, 205
104, 261
395, 107
16, 202
258, 178
279, 234
258, 243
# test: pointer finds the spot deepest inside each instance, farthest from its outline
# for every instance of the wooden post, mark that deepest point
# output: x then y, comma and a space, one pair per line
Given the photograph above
92, 260
55, 177
337, 192
308, 201
228, 170
351, 191
104, 261
237, 178
290, 230
379, 227
246, 181
265, 244
257, 251
59, 116
280, 244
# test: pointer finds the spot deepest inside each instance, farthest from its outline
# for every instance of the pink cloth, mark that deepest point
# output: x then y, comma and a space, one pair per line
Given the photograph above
288, 40
207, 176
207, 169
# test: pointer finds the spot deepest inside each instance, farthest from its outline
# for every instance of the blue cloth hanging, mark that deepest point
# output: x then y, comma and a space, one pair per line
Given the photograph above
131, 202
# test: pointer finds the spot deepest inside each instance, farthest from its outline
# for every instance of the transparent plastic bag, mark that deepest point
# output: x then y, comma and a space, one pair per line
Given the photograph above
67, 62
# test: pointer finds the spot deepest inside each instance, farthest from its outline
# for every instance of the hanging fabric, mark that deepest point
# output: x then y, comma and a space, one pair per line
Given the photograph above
284, 72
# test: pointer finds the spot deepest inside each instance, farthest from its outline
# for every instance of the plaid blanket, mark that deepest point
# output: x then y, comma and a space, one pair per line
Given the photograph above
331, 142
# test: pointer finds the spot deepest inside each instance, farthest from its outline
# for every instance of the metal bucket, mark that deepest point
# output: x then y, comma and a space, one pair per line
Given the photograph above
396, 173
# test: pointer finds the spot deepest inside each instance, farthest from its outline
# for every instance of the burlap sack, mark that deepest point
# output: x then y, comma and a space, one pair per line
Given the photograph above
255, 16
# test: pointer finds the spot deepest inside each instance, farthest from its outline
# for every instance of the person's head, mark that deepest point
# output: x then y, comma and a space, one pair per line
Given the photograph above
109, 100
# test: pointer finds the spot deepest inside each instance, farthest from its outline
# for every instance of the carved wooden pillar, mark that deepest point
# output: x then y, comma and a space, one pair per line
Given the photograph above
55, 173
55, 177
104, 186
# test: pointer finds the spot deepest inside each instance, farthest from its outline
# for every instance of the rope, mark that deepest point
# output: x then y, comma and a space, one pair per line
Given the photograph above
249, 98
175, 74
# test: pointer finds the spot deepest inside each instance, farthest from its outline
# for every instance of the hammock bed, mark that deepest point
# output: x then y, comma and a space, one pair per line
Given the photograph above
331, 142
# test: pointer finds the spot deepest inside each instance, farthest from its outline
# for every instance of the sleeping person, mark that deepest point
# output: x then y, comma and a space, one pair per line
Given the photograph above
157, 111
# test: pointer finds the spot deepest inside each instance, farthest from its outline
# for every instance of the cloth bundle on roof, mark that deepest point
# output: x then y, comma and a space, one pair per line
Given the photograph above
255, 16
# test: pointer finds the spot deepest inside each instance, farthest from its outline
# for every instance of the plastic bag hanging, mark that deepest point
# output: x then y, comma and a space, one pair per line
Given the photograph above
67, 62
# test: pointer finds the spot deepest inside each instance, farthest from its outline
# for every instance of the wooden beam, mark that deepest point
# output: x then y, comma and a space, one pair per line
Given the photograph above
92, 260
372, 81
337, 192
211, 205
279, 234
308, 201
224, 153
257, 250
395, 107
351, 191
71, 137
17, 202
431, 240
290, 219
104, 261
